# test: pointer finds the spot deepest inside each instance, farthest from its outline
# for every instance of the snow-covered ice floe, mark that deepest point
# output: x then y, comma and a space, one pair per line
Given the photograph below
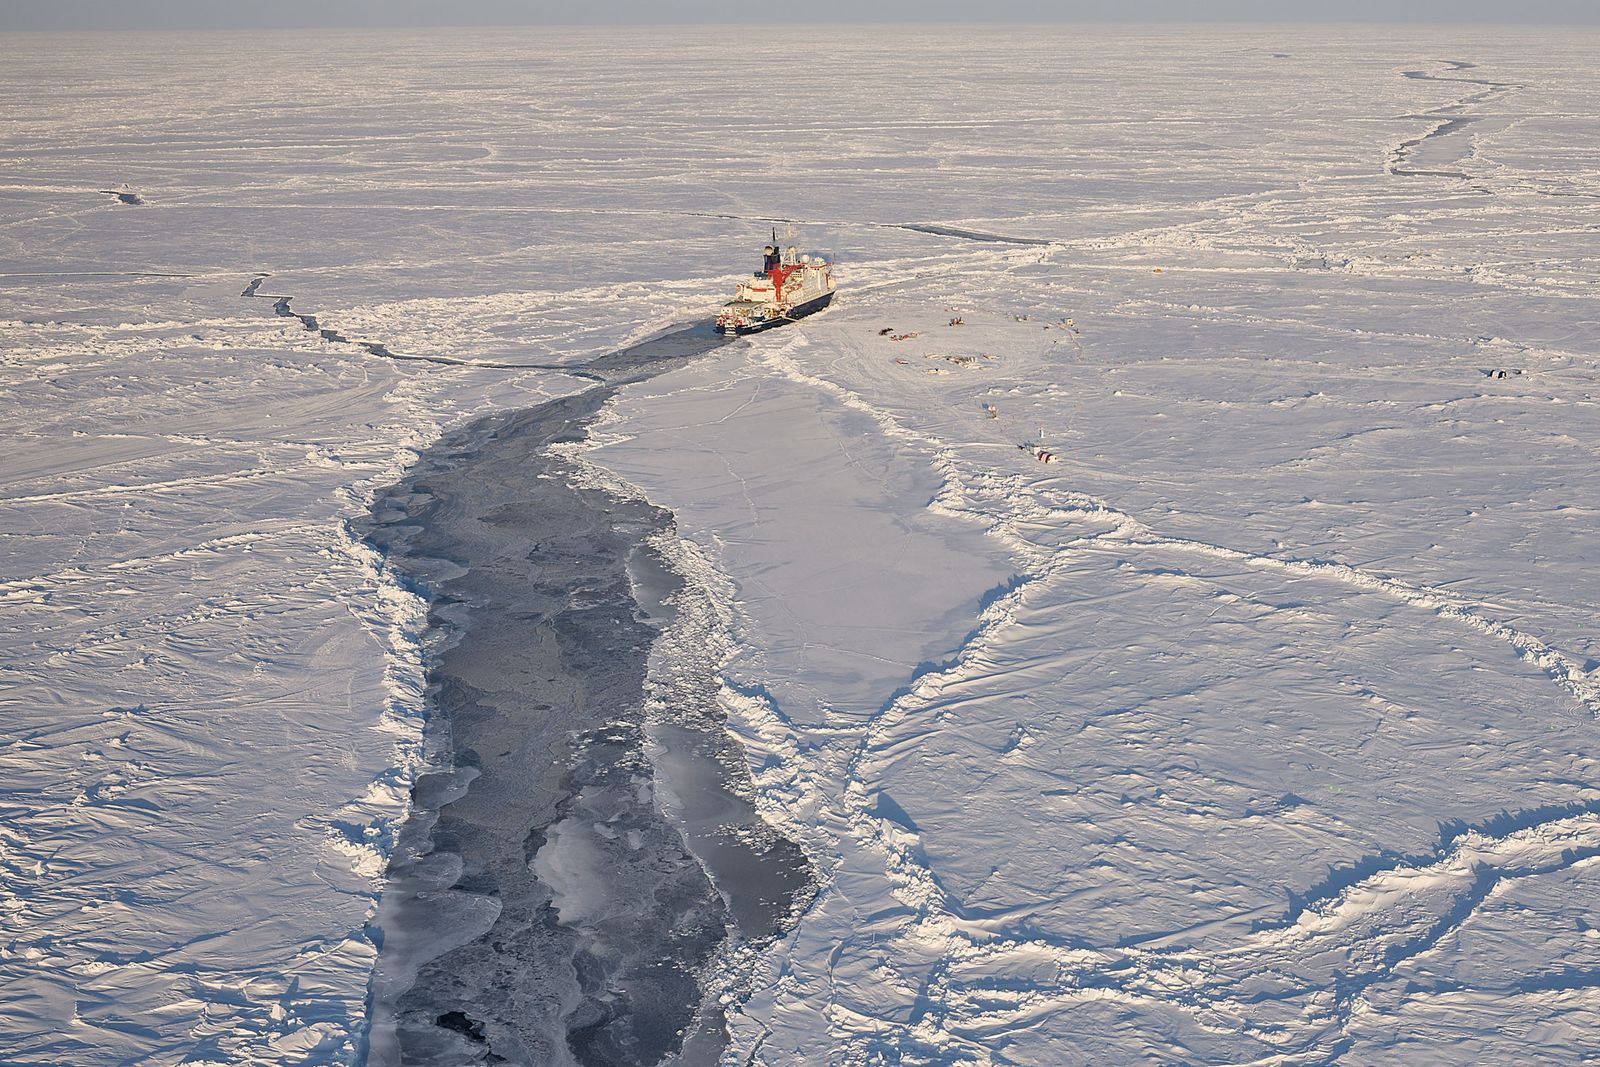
1259, 726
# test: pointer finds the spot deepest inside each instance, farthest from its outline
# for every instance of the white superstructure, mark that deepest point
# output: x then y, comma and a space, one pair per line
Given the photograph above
787, 287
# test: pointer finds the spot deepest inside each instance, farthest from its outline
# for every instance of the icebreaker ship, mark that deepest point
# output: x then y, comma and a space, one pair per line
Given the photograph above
788, 286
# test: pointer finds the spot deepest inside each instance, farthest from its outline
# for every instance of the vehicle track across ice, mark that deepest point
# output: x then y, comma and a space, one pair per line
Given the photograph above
542, 906
280, 306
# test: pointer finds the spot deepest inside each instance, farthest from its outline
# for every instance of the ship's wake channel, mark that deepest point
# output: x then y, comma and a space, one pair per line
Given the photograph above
541, 907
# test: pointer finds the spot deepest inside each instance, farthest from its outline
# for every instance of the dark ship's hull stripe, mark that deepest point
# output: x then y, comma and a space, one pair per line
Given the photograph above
799, 311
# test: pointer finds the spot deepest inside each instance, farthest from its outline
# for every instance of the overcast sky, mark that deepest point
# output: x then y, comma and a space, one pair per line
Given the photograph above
212, 14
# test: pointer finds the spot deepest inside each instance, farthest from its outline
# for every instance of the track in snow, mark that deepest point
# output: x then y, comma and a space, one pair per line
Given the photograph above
312, 324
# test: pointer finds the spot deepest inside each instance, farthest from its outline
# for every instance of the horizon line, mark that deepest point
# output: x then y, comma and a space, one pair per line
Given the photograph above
966, 24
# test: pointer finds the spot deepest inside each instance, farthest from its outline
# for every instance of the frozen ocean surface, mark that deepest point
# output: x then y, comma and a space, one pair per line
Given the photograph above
1257, 727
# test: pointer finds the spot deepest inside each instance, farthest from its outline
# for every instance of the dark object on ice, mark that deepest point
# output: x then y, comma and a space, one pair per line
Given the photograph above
130, 199
1501, 372
958, 321
886, 331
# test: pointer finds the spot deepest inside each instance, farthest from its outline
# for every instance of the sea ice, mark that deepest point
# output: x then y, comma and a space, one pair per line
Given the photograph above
1258, 726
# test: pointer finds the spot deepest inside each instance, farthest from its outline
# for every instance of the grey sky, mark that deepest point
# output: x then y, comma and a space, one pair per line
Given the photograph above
218, 14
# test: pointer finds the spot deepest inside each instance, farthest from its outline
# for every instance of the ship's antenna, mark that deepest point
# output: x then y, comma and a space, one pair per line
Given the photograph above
774, 235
